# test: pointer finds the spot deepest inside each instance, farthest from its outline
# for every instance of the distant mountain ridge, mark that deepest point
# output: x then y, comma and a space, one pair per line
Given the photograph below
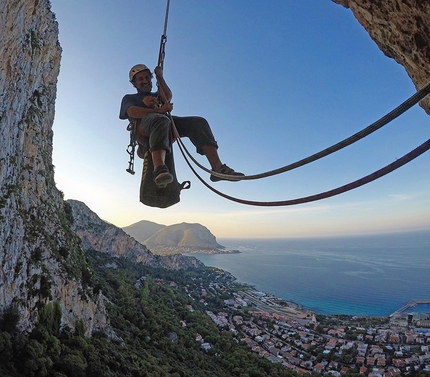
183, 238
103, 237
142, 230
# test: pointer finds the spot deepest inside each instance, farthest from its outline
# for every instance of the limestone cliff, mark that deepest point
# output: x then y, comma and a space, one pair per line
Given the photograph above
98, 235
401, 29
41, 260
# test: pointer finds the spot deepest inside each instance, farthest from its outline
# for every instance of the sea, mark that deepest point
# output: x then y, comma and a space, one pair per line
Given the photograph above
372, 275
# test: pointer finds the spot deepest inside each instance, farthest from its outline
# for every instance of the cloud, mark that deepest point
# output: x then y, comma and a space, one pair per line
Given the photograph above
401, 197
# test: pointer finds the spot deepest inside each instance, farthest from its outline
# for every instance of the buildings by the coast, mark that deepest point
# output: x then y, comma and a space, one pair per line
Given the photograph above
388, 350
287, 334
284, 333
410, 314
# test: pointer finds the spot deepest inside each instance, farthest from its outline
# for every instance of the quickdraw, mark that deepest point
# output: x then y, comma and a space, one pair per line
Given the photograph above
131, 148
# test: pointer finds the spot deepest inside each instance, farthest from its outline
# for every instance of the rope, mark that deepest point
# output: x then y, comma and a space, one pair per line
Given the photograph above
414, 99
403, 107
163, 41
406, 105
323, 195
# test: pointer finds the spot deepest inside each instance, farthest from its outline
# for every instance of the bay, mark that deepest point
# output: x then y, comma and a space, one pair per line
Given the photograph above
370, 275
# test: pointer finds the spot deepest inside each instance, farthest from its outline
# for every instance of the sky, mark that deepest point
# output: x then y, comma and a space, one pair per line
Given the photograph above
277, 81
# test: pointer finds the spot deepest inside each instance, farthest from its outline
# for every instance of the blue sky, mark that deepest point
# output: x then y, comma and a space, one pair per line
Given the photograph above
277, 81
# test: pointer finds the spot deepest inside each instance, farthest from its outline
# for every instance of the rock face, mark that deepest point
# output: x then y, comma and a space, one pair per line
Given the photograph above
41, 260
107, 238
401, 29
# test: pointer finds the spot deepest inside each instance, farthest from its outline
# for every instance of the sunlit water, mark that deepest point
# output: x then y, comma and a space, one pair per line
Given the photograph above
366, 275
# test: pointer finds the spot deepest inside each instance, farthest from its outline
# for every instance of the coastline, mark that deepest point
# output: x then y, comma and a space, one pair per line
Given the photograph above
287, 333
358, 276
267, 305
209, 251
171, 250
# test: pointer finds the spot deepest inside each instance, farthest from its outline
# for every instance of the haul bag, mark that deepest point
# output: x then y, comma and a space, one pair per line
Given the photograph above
153, 196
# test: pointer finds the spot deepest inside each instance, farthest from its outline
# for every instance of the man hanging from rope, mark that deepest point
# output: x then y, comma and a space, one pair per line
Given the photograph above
155, 128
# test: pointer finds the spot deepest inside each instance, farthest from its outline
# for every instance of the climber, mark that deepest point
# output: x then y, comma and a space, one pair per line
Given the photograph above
154, 125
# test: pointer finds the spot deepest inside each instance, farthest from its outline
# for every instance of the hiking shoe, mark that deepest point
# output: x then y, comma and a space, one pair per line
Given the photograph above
162, 176
225, 170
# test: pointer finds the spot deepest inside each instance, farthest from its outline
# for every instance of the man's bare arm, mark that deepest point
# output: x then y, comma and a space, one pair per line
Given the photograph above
165, 92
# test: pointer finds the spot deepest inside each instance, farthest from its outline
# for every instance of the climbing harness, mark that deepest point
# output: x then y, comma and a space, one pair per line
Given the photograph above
406, 105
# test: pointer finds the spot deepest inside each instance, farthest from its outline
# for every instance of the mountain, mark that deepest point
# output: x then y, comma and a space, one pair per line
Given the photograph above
103, 237
142, 230
183, 238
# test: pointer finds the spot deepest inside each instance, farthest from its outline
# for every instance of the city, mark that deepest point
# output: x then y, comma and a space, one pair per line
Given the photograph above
285, 333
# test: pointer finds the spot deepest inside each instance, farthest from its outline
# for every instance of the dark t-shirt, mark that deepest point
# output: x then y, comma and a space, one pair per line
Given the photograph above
135, 99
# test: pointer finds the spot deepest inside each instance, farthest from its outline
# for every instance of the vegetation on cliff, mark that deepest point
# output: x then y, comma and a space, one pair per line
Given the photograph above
155, 327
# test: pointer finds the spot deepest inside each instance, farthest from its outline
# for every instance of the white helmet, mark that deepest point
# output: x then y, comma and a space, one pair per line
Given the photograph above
136, 69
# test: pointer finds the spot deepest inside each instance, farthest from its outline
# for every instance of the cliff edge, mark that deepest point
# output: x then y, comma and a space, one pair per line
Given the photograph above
401, 30
41, 260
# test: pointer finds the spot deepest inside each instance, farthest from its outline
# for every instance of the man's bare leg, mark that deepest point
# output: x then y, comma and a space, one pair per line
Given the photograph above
158, 157
217, 166
162, 176
211, 154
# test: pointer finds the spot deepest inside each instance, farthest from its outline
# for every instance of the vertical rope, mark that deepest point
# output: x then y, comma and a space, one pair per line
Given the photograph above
166, 18
163, 41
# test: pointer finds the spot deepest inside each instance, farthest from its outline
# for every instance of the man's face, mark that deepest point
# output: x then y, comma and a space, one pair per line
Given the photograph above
142, 81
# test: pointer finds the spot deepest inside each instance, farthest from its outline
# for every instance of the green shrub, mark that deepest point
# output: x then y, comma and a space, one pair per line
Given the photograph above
50, 317
9, 319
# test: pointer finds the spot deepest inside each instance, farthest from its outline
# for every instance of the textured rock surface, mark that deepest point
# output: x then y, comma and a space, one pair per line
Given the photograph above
107, 238
41, 260
401, 29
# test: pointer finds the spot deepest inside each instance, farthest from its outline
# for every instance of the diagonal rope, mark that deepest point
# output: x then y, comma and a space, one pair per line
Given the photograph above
323, 195
406, 105
414, 99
